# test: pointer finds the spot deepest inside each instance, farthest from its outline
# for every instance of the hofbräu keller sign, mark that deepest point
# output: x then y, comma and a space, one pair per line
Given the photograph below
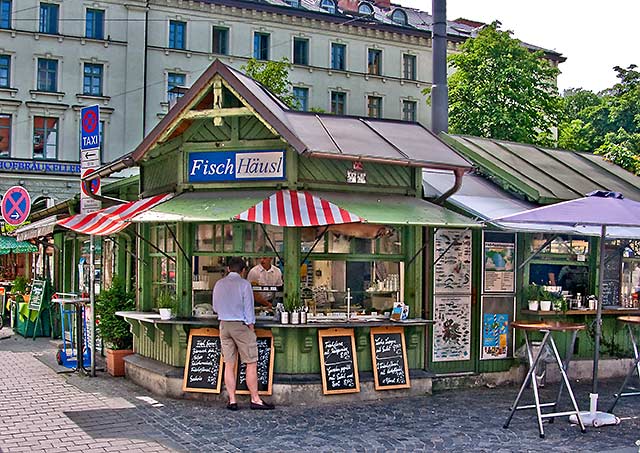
219, 166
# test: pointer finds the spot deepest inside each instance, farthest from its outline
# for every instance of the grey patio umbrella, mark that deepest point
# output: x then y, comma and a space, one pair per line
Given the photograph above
601, 209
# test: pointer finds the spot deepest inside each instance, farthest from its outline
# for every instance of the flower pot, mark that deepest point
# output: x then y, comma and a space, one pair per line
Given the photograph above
303, 317
284, 317
115, 361
545, 305
295, 317
533, 305
165, 313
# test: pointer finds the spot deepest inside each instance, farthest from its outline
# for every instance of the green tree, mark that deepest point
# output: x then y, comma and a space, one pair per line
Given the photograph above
500, 89
273, 75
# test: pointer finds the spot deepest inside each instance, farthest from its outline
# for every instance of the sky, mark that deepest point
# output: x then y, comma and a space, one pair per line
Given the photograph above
593, 36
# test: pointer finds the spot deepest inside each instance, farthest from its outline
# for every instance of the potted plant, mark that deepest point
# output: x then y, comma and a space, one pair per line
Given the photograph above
545, 300
291, 305
531, 293
166, 303
114, 329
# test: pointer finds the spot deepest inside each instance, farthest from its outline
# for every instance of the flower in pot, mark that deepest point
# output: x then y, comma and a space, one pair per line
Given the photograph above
545, 300
291, 307
166, 303
114, 330
531, 293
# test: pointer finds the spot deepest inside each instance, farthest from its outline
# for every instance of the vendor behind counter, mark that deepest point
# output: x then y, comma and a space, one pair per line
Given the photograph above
265, 274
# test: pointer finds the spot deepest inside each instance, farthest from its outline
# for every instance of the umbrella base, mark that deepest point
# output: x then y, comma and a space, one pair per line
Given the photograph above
595, 419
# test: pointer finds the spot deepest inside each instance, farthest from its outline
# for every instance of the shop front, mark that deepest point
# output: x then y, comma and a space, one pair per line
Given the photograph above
334, 203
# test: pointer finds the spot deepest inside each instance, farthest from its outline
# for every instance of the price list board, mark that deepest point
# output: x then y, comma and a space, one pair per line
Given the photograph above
203, 368
265, 366
390, 368
338, 361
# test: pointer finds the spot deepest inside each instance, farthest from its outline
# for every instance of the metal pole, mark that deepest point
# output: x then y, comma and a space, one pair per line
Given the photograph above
92, 300
596, 353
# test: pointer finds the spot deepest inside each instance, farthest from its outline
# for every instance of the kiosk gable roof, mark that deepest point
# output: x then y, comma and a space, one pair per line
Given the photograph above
545, 175
328, 136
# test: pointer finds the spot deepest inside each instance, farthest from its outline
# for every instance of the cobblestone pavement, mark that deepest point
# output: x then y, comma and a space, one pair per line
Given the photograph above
44, 411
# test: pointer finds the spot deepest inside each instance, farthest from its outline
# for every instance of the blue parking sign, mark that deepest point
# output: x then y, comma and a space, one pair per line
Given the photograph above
90, 128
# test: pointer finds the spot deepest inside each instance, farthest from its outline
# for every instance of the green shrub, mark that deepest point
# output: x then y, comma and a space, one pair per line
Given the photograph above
114, 329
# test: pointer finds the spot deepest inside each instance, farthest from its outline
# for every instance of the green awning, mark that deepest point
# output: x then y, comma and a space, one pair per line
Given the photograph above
223, 206
398, 210
219, 206
9, 244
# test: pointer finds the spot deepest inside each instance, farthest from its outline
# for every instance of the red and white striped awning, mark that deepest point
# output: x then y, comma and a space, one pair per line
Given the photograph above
113, 219
291, 208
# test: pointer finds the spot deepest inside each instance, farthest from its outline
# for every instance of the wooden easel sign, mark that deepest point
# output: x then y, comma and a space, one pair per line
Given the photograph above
203, 368
390, 367
265, 366
338, 361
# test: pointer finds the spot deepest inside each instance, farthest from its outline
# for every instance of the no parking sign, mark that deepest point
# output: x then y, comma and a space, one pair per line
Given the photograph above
90, 128
16, 205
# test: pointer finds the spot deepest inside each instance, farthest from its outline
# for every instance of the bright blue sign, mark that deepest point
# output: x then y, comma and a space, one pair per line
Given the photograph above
90, 128
236, 165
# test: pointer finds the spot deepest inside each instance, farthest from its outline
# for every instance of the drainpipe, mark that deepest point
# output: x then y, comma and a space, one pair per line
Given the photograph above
459, 174
120, 164
439, 95
144, 71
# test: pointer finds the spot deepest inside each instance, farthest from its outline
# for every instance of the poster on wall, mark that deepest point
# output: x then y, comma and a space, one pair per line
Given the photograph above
496, 336
452, 328
452, 254
499, 253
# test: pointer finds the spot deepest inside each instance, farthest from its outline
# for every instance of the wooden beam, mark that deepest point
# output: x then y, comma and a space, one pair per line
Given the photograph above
217, 113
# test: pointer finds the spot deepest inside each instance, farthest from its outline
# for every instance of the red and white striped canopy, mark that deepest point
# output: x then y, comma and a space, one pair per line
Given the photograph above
113, 219
291, 208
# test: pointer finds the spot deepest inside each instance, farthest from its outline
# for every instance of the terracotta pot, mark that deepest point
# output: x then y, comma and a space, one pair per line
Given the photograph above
115, 361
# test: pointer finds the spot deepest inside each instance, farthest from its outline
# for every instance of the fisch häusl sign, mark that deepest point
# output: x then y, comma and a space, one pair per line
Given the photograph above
236, 165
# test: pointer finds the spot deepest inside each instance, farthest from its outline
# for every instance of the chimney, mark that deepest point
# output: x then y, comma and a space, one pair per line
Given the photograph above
383, 4
348, 5
439, 89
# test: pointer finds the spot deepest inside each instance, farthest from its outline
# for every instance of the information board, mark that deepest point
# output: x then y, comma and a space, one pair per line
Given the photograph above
611, 276
37, 294
499, 262
390, 367
338, 362
265, 366
203, 368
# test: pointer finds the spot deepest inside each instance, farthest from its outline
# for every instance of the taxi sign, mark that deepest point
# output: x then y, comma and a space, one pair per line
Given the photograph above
90, 128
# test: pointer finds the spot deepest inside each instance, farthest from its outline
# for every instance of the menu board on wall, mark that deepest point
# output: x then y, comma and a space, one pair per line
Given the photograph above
338, 361
390, 367
265, 366
203, 368
452, 329
452, 257
499, 253
496, 339
611, 276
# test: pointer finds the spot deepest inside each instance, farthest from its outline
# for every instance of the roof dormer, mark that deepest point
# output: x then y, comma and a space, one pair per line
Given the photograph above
365, 8
328, 5
399, 16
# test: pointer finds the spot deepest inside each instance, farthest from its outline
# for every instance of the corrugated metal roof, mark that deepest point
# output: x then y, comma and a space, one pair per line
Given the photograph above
544, 175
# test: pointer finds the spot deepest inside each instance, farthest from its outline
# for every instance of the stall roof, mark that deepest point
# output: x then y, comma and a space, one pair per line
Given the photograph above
329, 136
37, 229
544, 175
223, 206
485, 200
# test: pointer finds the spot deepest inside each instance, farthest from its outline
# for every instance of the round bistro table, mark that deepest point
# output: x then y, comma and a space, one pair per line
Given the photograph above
546, 328
631, 322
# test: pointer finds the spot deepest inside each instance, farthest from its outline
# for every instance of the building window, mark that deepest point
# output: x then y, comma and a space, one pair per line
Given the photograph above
338, 102
374, 62
301, 96
300, 51
47, 75
220, 40
409, 109
45, 137
95, 24
177, 34
293, 3
5, 71
5, 135
328, 5
49, 18
175, 80
409, 67
374, 106
5, 13
399, 17
365, 8
261, 46
92, 82
338, 56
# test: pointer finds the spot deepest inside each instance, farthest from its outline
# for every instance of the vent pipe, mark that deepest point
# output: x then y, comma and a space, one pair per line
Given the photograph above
439, 94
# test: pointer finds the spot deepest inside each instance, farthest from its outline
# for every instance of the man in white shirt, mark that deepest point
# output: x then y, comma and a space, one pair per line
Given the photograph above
265, 274
233, 302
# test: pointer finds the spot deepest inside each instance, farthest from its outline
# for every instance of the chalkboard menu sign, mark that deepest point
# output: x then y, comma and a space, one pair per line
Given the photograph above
611, 276
203, 368
390, 368
265, 366
37, 294
338, 362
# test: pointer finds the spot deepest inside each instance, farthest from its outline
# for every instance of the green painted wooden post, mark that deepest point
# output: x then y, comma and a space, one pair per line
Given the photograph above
144, 270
